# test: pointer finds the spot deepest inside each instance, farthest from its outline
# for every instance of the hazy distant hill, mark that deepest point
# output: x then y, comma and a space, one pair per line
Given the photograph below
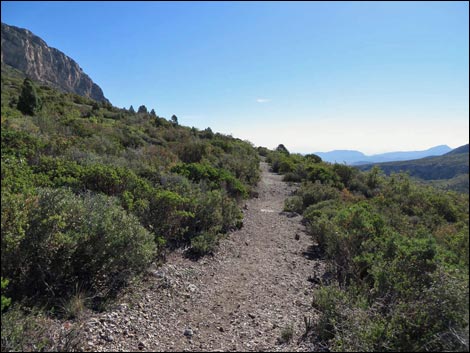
449, 170
358, 158
342, 156
461, 149
26, 52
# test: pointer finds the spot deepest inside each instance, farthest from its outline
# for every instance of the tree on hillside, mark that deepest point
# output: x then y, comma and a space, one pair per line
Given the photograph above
281, 148
174, 119
131, 109
29, 101
142, 110
206, 133
152, 113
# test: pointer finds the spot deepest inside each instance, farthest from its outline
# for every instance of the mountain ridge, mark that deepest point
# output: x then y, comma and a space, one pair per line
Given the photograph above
353, 157
449, 170
461, 149
30, 54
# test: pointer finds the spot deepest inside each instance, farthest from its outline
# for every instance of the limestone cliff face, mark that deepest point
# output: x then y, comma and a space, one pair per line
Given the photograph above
28, 53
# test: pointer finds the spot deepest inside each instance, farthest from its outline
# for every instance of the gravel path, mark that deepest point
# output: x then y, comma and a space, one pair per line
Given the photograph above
244, 298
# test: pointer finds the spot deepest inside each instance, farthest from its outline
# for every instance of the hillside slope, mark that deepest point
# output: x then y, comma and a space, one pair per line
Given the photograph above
449, 171
26, 52
91, 193
461, 149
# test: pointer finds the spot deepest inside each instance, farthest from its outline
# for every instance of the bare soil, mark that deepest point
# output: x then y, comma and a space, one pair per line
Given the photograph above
252, 295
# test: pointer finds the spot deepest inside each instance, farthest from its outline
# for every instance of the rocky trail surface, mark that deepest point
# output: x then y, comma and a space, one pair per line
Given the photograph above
248, 296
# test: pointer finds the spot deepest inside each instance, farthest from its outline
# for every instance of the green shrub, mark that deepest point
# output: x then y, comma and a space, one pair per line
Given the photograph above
29, 330
292, 177
293, 204
15, 225
60, 172
216, 177
313, 158
349, 322
23, 332
287, 333
285, 165
168, 215
203, 244
329, 300
193, 152
72, 239
263, 151
216, 211
19, 144
281, 163
345, 173
313, 193
323, 230
208, 211
323, 174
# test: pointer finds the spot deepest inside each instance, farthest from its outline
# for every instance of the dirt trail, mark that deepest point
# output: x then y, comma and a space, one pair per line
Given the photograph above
241, 299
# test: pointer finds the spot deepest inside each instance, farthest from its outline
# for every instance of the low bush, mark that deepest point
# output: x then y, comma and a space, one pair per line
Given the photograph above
216, 177
59, 239
398, 255
203, 244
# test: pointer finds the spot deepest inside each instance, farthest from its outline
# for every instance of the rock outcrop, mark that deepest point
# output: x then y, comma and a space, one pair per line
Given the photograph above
29, 54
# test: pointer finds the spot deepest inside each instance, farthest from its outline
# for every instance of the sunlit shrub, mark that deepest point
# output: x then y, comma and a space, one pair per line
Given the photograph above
71, 239
217, 177
312, 193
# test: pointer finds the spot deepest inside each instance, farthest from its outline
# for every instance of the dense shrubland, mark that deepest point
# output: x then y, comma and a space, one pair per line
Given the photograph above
398, 257
91, 194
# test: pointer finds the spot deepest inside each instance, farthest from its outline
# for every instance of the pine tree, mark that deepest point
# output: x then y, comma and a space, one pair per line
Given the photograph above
29, 101
142, 110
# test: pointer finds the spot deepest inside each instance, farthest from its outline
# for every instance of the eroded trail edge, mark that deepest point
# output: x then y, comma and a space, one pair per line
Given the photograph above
244, 298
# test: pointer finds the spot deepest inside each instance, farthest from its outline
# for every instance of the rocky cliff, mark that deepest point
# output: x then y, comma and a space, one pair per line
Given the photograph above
28, 53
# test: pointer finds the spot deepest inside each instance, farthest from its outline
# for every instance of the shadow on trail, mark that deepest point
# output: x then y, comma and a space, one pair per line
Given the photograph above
313, 252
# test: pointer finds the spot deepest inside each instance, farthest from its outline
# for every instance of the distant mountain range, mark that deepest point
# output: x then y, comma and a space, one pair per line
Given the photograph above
450, 171
29, 54
358, 158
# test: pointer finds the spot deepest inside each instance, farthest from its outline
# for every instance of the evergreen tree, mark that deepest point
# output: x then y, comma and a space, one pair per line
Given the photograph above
152, 113
207, 133
174, 119
142, 110
131, 109
29, 101
281, 148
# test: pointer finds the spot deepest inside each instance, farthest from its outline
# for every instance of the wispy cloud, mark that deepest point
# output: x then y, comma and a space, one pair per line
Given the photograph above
263, 100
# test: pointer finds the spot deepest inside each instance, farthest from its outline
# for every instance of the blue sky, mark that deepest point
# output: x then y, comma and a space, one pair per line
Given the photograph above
317, 76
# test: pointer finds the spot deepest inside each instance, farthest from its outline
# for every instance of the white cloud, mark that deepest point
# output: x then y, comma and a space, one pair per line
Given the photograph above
263, 100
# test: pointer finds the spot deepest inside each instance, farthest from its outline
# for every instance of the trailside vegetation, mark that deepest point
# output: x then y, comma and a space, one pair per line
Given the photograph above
397, 253
92, 194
